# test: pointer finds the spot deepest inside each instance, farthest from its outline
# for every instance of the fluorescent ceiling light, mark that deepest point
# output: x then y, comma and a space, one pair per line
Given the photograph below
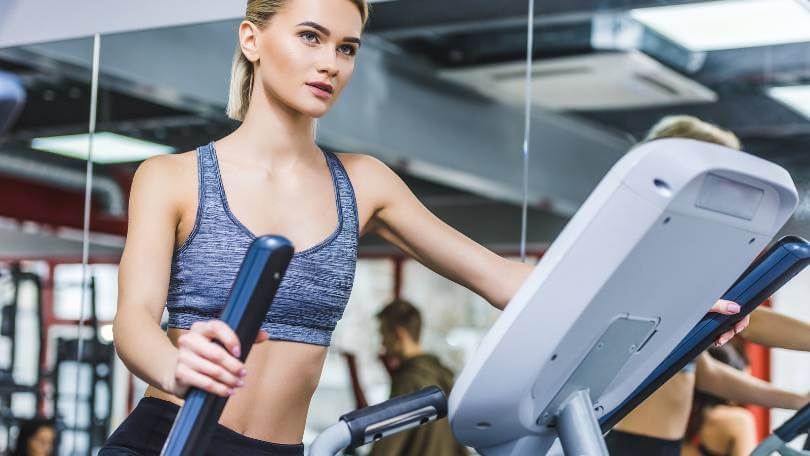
107, 147
795, 97
729, 24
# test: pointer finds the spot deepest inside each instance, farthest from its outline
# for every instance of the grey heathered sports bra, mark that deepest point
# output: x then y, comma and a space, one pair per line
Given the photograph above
315, 289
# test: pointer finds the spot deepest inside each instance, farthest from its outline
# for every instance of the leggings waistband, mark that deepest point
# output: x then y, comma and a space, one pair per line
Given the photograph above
167, 407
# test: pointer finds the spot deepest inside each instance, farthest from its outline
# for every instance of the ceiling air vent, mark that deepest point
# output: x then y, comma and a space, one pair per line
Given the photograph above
598, 81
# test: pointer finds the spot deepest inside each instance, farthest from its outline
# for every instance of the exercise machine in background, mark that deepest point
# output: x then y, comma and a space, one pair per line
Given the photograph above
12, 281
662, 236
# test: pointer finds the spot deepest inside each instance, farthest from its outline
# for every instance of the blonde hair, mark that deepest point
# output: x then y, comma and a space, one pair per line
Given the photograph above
259, 13
691, 127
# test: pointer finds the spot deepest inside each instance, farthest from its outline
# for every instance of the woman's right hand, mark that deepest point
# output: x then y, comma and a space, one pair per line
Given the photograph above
204, 364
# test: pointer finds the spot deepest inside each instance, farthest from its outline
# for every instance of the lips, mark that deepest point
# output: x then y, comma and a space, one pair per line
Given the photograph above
321, 85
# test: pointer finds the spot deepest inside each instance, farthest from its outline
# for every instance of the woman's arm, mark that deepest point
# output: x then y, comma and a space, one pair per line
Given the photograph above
773, 329
143, 280
721, 380
401, 219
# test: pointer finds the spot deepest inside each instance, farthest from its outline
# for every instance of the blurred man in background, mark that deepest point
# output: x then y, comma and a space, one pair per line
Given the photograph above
411, 370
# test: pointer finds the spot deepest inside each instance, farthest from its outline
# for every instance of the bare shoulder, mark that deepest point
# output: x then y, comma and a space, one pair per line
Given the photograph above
730, 422
372, 178
371, 172
165, 166
171, 177
363, 164
733, 415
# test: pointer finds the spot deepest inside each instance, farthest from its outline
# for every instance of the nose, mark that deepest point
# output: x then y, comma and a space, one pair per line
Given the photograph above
327, 63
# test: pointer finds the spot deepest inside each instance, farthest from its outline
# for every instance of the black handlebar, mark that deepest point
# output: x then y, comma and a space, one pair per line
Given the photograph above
394, 415
253, 291
798, 424
769, 272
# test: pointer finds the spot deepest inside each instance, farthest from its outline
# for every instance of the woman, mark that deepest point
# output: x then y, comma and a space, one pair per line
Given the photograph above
184, 245
721, 426
35, 438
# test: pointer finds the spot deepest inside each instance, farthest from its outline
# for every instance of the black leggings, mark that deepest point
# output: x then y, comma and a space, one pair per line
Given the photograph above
626, 444
145, 430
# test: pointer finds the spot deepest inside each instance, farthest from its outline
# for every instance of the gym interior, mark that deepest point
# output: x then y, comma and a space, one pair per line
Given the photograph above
500, 117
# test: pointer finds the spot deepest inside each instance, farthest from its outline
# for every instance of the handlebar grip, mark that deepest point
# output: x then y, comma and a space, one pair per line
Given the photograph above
395, 415
797, 424
253, 291
768, 273
789, 256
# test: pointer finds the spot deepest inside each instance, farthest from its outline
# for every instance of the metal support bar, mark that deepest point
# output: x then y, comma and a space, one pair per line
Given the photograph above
579, 429
332, 440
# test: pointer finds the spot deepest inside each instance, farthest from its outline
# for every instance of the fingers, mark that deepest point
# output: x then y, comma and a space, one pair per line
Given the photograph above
728, 335
217, 329
211, 370
202, 347
187, 376
742, 324
725, 307
205, 364
261, 337
724, 338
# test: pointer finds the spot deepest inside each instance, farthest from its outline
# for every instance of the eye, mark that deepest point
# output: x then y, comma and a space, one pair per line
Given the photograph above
309, 37
347, 49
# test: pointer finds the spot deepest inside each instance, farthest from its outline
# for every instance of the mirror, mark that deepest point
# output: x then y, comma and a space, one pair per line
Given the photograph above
45, 93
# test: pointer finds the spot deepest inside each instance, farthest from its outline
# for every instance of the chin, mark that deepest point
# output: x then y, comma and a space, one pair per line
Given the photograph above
314, 111
318, 114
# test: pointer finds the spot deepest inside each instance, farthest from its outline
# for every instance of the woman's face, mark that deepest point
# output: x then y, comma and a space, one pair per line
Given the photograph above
41, 443
306, 53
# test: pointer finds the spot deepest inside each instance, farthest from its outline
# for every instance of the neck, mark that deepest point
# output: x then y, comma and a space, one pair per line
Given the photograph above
411, 350
272, 135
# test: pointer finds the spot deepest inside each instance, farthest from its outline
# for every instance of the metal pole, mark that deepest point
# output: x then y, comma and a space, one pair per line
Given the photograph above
579, 429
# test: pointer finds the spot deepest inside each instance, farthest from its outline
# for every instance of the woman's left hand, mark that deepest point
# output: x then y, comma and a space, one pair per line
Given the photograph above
725, 307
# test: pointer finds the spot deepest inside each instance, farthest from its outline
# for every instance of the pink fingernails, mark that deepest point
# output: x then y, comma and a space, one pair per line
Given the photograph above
235, 351
733, 307
242, 372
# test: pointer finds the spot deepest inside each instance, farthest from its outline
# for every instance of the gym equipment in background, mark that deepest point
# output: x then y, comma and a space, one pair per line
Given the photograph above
768, 273
636, 269
773, 269
15, 278
378, 421
784, 434
659, 240
82, 410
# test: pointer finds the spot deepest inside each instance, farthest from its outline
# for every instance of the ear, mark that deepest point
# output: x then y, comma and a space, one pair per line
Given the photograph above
249, 40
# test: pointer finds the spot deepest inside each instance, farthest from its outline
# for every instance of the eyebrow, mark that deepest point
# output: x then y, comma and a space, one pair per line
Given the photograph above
325, 31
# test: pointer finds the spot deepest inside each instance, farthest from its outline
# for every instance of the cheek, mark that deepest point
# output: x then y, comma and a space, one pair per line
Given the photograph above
346, 71
281, 60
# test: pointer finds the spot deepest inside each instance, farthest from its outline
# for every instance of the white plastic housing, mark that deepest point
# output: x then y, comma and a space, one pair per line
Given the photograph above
663, 236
